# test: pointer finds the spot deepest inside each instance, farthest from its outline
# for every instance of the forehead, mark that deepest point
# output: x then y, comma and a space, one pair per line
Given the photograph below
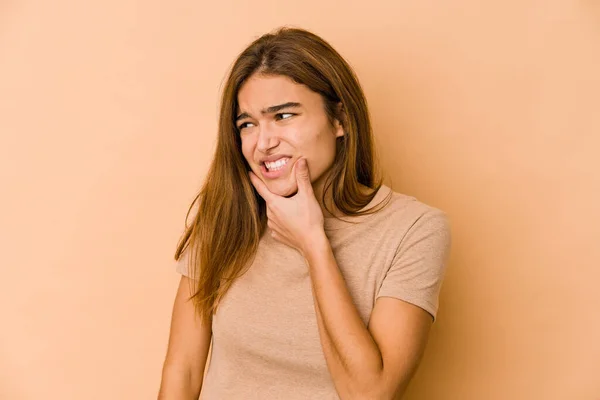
262, 91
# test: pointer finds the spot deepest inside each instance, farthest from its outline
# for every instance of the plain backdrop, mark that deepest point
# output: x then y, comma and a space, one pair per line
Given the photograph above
487, 110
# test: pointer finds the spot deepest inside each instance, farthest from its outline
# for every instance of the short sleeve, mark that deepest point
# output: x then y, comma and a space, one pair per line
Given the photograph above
419, 265
182, 265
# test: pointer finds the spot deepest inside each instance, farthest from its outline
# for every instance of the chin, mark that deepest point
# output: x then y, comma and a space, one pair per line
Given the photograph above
284, 189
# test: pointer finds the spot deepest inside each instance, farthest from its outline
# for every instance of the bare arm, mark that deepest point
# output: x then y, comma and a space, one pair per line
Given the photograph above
189, 341
374, 362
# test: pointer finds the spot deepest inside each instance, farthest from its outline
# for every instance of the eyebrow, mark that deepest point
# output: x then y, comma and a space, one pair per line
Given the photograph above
271, 110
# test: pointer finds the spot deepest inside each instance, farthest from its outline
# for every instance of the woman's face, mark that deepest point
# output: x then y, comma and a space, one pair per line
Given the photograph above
279, 122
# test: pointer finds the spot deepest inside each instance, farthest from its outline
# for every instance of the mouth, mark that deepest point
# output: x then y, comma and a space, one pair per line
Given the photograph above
277, 164
275, 169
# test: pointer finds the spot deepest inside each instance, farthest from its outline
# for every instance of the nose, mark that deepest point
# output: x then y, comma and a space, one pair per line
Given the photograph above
267, 139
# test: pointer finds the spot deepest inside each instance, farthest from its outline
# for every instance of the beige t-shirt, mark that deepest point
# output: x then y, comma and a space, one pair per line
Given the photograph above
265, 336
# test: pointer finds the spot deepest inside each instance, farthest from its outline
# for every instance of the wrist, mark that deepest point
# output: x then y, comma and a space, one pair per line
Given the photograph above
317, 245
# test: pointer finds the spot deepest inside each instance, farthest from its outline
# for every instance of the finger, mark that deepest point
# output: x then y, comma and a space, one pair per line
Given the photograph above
275, 236
260, 187
280, 238
272, 209
272, 223
303, 176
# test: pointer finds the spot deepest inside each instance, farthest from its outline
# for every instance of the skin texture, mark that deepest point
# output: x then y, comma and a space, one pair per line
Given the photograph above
297, 132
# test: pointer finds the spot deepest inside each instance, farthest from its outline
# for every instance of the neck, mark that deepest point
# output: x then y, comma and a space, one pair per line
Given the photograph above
318, 188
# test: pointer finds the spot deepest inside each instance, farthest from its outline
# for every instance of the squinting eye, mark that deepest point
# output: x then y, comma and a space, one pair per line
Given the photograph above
280, 115
244, 125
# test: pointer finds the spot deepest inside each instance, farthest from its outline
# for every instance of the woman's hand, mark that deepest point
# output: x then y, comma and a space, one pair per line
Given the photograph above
295, 221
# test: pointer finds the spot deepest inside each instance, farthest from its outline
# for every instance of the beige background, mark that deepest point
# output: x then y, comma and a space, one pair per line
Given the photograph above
488, 110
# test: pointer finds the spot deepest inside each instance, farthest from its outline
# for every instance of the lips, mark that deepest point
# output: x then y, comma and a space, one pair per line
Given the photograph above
276, 168
272, 158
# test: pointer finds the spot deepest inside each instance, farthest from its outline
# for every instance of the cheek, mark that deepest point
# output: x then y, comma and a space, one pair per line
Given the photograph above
324, 146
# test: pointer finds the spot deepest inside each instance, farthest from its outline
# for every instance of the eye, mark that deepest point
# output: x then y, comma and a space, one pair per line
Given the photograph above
282, 115
244, 125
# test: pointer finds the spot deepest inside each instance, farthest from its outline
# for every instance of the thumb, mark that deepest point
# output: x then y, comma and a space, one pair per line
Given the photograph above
303, 176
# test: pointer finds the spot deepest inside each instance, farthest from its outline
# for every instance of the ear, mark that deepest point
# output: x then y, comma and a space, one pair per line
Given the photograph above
338, 124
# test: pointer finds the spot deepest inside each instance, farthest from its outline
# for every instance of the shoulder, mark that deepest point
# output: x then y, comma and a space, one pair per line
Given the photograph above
390, 216
403, 206
405, 214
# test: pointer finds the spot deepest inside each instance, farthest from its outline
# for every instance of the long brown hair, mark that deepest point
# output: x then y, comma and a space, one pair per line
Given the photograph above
231, 216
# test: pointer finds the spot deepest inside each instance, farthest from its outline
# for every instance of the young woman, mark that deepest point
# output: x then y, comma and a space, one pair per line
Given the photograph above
312, 279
